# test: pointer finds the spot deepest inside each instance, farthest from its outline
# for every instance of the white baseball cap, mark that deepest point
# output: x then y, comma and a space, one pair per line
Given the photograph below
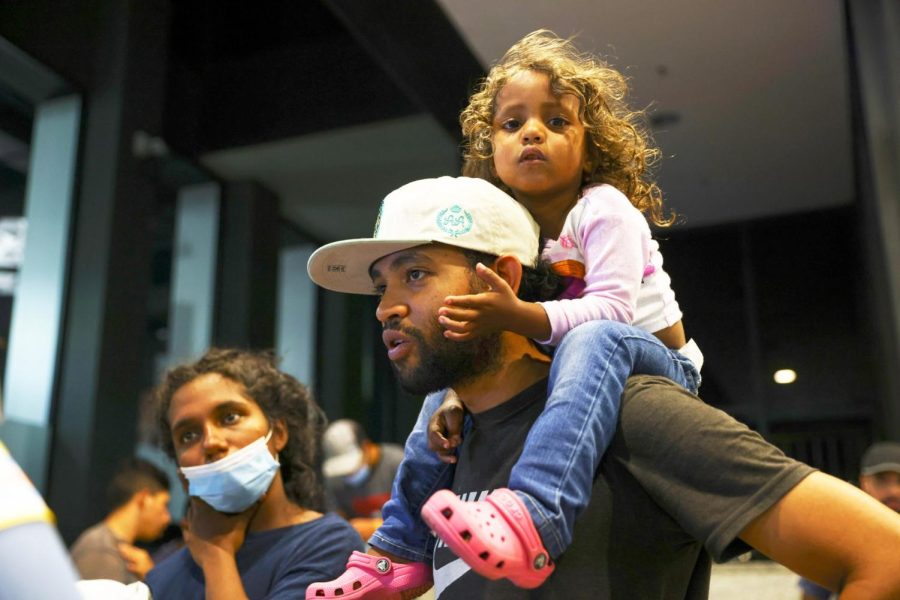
464, 212
342, 448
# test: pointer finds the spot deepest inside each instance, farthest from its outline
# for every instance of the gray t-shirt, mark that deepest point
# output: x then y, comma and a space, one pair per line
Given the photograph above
366, 499
678, 484
96, 555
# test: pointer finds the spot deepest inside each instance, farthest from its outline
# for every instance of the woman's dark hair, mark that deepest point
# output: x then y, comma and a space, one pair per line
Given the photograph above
280, 396
539, 283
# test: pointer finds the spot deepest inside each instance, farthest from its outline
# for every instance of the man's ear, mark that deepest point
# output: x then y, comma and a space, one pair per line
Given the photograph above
140, 497
371, 452
510, 269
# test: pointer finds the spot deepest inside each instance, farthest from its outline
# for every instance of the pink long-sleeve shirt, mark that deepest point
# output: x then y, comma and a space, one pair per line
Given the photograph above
612, 267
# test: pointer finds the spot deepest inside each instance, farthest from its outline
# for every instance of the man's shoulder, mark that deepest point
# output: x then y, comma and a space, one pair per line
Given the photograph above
641, 384
645, 393
95, 535
660, 418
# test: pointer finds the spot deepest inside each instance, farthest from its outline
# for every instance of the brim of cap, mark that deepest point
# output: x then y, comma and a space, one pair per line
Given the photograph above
881, 468
344, 266
342, 465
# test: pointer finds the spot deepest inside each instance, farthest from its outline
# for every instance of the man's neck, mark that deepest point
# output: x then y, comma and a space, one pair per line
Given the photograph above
520, 366
123, 523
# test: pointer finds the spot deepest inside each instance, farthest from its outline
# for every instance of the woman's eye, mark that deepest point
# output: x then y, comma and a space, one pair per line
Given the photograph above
187, 437
231, 418
558, 122
415, 274
510, 124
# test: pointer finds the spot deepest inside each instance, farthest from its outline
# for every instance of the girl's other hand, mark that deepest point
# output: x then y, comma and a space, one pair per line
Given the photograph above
445, 428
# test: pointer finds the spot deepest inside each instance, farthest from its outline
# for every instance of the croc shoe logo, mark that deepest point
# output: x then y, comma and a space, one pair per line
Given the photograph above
454, 221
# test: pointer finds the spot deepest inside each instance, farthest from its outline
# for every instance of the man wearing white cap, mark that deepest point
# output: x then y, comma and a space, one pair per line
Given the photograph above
358, 474
681, 483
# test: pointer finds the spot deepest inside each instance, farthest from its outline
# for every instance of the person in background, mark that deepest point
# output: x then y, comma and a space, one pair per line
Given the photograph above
880, 478
247, 439
553, 127
358, 474
33, 560
681, 485
138, 499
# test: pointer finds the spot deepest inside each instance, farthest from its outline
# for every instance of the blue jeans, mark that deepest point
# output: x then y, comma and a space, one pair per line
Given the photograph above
419, 476
555, 473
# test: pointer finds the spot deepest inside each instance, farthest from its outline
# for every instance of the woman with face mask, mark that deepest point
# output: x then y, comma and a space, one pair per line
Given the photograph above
246, 438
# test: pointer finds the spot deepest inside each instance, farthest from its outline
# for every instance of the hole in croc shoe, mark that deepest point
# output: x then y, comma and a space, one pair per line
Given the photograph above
484, 555
339, 591
320, 593
465, 535
500, 564
357, 585
447, 512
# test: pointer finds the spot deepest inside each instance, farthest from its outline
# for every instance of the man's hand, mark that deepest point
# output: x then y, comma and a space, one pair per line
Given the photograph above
445, 427
137, 560
498, 309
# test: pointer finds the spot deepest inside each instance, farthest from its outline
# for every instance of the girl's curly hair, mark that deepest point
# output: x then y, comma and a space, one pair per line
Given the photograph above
280, 396
620, 148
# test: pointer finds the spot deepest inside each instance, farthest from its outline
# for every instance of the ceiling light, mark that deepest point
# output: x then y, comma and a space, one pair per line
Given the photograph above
785, 376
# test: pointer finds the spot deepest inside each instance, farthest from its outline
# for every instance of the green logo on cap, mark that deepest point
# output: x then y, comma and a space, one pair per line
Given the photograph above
454, 221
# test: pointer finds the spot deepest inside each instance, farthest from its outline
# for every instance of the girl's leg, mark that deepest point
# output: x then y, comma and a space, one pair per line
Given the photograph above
554, 475
420, 474
403, 534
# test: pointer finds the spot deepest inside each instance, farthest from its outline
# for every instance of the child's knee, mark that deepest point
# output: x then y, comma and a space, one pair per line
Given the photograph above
596, 331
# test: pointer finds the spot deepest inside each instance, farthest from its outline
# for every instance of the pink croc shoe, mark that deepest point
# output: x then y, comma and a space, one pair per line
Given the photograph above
374, 578
495, 537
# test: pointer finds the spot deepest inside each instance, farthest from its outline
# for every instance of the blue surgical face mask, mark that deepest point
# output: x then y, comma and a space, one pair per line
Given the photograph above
358, 478
234, 483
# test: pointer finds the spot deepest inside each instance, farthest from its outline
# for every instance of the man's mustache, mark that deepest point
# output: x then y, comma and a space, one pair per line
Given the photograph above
393, 324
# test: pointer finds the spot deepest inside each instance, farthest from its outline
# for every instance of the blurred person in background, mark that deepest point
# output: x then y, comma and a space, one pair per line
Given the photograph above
138, 500
880, 478
246, 437
358, 474
33, 560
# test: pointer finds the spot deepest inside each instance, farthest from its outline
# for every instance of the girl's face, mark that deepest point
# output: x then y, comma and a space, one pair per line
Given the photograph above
212, 416
539, 141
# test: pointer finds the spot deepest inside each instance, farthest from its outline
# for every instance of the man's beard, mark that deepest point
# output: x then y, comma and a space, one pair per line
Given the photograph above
446, 363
